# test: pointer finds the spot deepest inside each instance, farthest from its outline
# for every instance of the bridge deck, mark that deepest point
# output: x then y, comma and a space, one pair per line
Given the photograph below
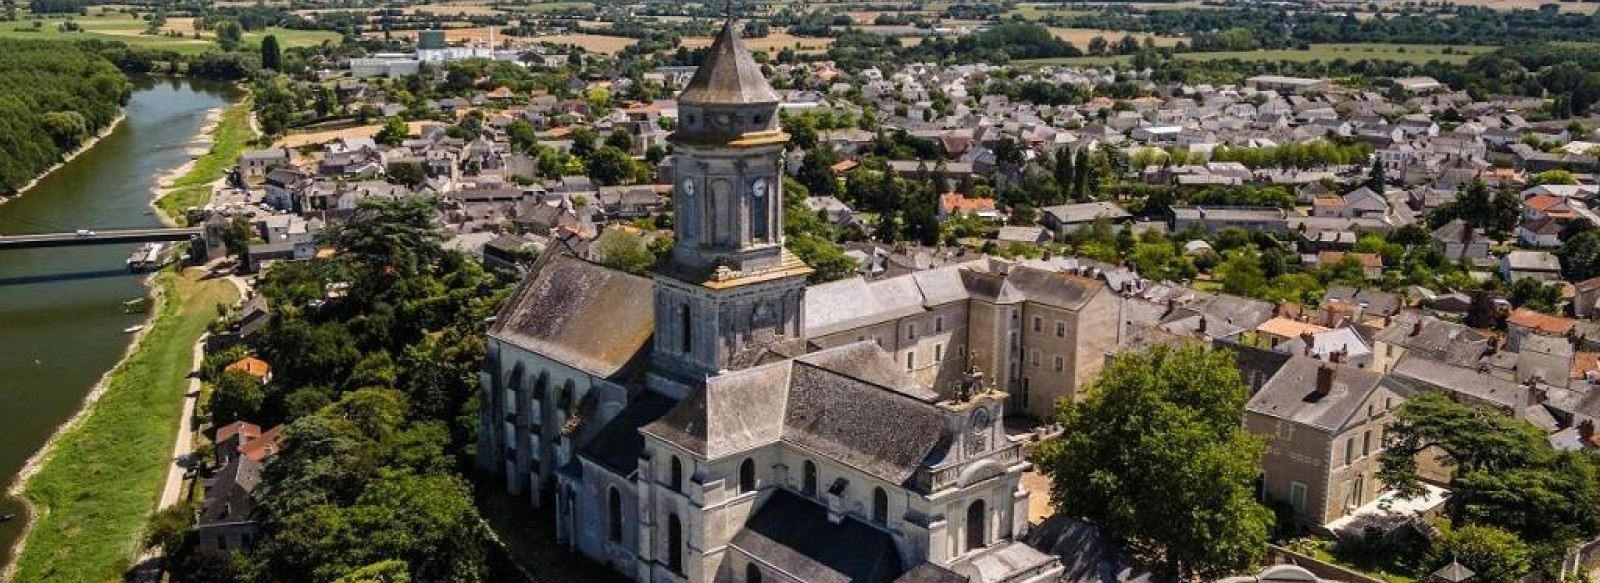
99, 238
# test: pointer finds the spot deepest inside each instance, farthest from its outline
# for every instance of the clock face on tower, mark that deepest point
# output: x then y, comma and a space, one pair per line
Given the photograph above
758, 188
688, 188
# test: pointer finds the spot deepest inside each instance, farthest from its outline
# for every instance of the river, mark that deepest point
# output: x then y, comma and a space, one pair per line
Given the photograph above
61, 313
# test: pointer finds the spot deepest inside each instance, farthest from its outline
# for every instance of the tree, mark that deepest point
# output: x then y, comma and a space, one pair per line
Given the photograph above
1156, 457
390, 571
1242, 273
523, 137
237, 397
271, 55
393, 132
390, 239
1494, 555
1377, 178
1533, 294
623, 250
407, 173
1504, 472
229, 35
827, 259
1580, 256
620, 139
1084, 178
816, 172
611, 166
168, 527
236, 238
1066, 174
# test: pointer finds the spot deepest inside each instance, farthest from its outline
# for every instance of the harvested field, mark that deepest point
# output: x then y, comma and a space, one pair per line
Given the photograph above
1080, 37
772, 42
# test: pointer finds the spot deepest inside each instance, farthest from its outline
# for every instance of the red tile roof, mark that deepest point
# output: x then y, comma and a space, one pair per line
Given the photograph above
252, 366
953, 202
242, 429
263, 447
1542, 322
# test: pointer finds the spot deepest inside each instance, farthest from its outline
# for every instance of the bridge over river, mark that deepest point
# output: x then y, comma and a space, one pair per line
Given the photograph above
77, 239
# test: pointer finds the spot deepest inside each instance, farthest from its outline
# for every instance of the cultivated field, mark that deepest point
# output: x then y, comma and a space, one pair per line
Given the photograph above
594, 43
772, 42
1509, 5
1320, 52
1035, 11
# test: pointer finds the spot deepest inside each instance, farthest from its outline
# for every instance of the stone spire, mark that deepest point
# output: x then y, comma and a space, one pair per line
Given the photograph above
729, 75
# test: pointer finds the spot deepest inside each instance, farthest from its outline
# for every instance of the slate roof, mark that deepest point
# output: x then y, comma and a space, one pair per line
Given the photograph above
1426, 373
1377, 302
1447, 341
619, 443
1085, 212
589, 316
850, 403
793, 534
230, 497
1290, 395
930, 573
728, 75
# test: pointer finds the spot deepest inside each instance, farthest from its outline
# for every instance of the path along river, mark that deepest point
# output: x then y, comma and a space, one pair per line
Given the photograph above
61, 310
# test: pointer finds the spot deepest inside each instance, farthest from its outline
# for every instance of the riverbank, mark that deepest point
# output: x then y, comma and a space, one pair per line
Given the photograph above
95, 484
90, 489
73, 155
190, 185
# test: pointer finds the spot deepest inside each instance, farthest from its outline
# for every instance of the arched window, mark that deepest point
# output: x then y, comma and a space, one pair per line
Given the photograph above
752, 573
675, 479
808, 478
686, 322
976, 524
747, 476
614, 514
674, 544
880, 506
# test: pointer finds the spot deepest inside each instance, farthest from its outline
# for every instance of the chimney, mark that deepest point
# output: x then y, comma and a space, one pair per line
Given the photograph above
1202, 328
1310, 341
1536, 394
1338, 356
1324, 380
1416, 327
1172, 306
1586, 429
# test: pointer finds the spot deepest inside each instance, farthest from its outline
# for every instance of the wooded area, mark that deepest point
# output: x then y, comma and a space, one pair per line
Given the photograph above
53, 96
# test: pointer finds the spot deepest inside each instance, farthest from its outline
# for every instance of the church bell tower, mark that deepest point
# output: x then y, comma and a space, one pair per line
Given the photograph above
730, 287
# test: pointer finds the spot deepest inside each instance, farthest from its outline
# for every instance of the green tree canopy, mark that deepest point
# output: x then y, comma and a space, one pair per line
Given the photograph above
623, 250
1155, 455
1494, 555
1504, 472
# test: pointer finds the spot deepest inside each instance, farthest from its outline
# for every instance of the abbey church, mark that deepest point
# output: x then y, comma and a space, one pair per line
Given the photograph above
724, 421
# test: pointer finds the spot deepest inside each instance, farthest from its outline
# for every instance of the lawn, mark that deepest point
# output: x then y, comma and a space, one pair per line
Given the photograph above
230, 137
101, 480
1322, 52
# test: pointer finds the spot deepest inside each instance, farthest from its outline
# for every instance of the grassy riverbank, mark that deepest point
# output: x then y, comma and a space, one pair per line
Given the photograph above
230, 138
101, 479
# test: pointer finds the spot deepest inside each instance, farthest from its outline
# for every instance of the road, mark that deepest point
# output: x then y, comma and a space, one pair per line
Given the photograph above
38, 240
182, 446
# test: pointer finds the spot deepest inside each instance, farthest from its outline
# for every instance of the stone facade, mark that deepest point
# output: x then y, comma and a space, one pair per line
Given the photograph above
688, 424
